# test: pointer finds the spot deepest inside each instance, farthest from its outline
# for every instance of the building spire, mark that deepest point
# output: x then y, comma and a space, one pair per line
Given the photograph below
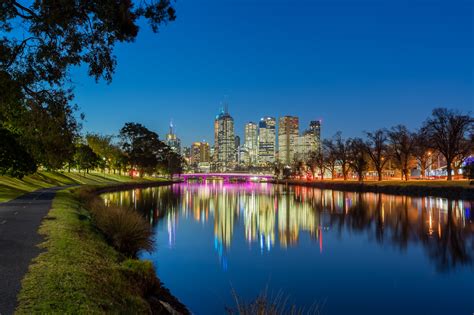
171, 127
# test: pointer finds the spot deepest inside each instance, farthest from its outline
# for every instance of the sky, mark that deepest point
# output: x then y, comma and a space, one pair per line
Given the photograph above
357, 65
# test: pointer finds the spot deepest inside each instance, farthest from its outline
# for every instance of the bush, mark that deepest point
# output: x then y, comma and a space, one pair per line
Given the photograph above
125, 228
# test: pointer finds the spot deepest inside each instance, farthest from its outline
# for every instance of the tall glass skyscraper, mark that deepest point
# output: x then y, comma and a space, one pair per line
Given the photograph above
266, 140
288, 132
172, 140
224, 142
251, 142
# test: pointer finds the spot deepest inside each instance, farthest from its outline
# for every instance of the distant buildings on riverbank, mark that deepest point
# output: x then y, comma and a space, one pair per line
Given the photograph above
263, 144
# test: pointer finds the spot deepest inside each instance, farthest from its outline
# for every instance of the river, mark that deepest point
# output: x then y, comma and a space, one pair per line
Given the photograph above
338, 252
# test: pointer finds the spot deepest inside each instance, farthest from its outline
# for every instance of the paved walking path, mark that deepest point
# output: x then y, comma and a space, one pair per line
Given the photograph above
19, 222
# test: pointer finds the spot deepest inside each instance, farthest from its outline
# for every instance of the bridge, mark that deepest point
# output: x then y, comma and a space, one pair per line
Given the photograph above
227, 177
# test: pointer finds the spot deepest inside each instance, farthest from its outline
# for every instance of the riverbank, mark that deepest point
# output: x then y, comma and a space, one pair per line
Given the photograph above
11, 188
79, 271
418, 188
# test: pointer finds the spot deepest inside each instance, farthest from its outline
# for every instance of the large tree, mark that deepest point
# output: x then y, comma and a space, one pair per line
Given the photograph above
41, 41
144, 149
377, 149
341, 150
402, 143
358, 157
423, 151
85, 158
14, 159
450, 133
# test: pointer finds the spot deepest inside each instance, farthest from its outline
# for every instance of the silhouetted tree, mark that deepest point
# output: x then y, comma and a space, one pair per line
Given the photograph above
357, 157
14, 159
143, 148
423, 151
450, 133
330, 156
377, 149
85, 158
341, 148
402, 147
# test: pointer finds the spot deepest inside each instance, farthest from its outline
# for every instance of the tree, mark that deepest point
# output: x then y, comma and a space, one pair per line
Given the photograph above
330, 156
450, 133
41, 41
423, 151
377, 149
341, 148
175, 163
317, 163
57, 35
402, 147
85, 158
14, 159
143, 148
357, 157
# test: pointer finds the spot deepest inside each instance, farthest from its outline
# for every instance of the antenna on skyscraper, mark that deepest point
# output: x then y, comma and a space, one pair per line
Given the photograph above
226, 105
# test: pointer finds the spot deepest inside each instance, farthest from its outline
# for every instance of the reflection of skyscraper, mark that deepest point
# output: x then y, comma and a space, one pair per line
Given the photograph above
224, 141
172, 140
251, 142
266, 140
288, 131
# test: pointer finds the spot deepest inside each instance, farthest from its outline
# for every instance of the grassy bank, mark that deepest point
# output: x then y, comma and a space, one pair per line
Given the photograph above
80, 272
11, 188
445, 189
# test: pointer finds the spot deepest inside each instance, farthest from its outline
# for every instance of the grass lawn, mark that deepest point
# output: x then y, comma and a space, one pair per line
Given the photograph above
79, 272
11, 188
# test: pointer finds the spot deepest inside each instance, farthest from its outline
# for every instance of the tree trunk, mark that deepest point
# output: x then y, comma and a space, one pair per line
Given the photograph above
379, 172
449, 169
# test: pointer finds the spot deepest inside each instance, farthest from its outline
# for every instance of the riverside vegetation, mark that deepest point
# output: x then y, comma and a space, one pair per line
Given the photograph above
90, 261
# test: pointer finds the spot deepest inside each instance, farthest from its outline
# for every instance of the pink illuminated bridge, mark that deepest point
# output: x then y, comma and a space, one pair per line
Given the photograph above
227, 176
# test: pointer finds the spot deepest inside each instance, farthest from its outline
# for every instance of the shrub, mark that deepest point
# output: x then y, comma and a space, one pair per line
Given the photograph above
125, 228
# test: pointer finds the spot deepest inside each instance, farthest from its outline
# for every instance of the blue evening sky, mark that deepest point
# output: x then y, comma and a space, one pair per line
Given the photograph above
357, 65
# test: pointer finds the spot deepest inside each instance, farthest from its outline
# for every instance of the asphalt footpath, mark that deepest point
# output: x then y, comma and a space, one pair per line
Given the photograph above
19, 222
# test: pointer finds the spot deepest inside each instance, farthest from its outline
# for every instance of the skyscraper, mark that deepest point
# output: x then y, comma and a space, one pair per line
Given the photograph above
288, 132
315, 129
200, 153
224, 142
251, 142
266, 140
172, 140
309, 141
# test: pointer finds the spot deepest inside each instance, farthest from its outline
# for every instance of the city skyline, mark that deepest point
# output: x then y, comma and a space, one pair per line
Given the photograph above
377, 62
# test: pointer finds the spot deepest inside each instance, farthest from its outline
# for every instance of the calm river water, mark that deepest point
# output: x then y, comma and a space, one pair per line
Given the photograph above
346, 253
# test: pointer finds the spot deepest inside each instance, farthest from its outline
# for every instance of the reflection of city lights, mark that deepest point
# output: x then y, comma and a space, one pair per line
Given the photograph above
279, 216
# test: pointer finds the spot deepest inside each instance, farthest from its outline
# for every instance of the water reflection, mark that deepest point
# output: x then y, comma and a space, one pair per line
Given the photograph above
278, 216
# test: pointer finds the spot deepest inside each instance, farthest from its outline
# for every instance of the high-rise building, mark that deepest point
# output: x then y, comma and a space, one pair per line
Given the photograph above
309, 141
288, 132
266, 140
306, 146
251, 142
315, 129
224, 142
172, 140
200, 152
